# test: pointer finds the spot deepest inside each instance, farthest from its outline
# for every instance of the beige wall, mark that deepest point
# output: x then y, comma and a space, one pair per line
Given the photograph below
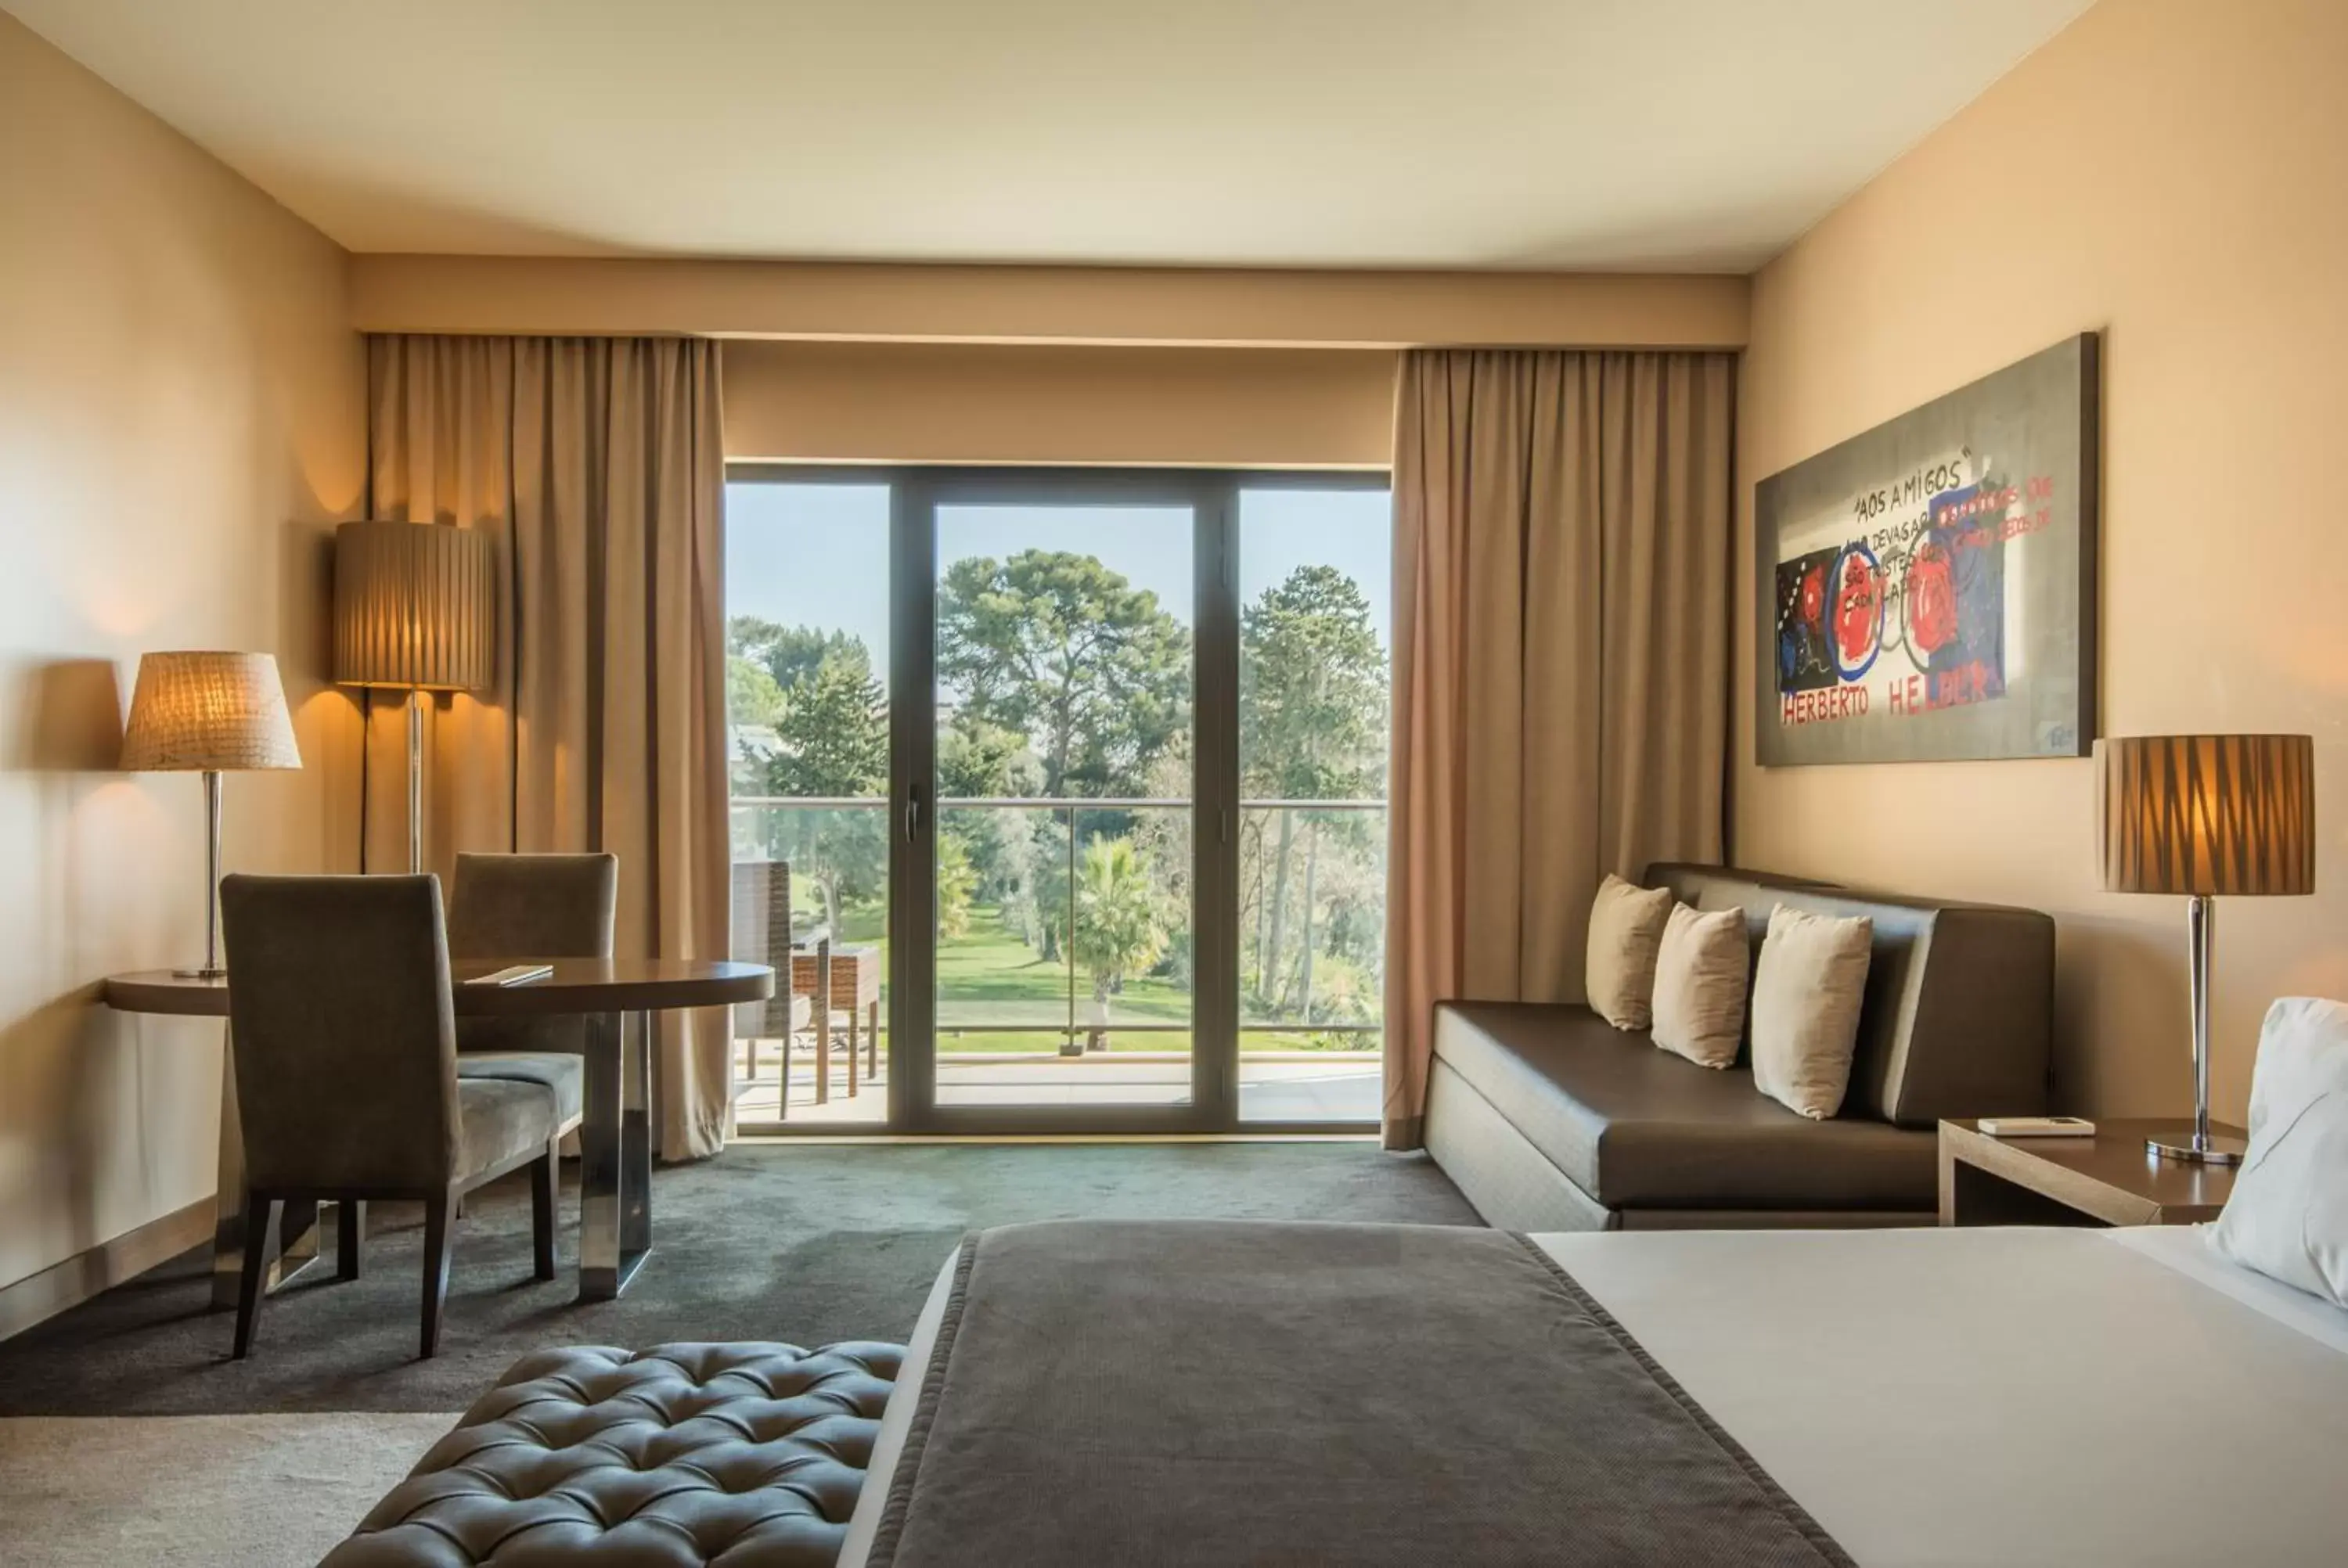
179, 418
1131, 305
968, 403
2175, 174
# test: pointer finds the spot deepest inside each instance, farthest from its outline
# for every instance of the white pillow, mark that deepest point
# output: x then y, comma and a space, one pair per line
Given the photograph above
1807, 993
2288, 1214
1626, 931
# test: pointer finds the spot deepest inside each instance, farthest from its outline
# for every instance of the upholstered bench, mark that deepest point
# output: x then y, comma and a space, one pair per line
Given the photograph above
749, 1454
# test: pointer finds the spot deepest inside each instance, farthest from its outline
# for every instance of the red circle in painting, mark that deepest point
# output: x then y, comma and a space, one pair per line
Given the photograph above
1858, 610
1932, 601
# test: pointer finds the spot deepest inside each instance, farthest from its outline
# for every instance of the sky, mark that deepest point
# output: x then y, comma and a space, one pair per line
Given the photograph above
817, 555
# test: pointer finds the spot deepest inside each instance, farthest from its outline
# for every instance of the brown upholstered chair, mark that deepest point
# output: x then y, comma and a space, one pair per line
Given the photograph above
533, 906
509, 907
342, 1018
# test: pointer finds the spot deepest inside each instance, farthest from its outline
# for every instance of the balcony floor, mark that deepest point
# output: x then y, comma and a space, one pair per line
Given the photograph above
1287, 1086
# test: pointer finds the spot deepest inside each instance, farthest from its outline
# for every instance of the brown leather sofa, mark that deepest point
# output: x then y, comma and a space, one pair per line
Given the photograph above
1549, 1118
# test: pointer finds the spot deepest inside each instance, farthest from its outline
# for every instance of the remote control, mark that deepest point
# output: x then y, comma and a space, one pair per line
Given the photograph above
2037, 1127
513, 975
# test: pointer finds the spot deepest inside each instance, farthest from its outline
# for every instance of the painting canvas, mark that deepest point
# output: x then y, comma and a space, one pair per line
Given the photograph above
1927, 588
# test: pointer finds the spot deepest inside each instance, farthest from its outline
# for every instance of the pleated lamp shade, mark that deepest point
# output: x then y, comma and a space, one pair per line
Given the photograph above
2208, 815
413, 607
208, 712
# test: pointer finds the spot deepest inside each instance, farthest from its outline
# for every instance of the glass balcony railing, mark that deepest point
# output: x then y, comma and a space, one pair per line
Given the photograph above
1018, 874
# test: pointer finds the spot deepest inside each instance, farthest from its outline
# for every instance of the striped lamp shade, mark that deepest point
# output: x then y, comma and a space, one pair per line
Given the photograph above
2208, 813
414, 607
208, 712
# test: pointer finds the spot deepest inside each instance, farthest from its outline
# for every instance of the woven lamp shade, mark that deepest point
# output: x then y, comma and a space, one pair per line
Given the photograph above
413, 607
208, 712
2208, 815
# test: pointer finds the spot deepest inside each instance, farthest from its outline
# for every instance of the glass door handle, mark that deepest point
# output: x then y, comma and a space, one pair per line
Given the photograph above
913, 820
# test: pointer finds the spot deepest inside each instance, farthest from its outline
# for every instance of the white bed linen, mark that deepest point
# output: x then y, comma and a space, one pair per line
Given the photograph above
1936, 1397
2187, 1249
1998, 1396
895, 1419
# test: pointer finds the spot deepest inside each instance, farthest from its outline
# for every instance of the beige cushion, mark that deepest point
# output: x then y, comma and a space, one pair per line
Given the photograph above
1805, 996
1626, 928
1700, 979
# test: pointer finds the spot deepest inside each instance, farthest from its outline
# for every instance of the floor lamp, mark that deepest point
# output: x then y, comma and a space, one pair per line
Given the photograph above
209, 713
2206, 816
414, 611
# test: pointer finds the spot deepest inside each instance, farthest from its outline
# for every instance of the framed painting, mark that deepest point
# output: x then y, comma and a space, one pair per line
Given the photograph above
1926, 590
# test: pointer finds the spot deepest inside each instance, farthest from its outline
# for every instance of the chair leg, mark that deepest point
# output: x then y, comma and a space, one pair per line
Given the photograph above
439, 1212
350, 1238
541, 1207
259, 1224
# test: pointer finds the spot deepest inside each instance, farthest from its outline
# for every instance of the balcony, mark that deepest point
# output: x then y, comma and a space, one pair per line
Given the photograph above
1066, 937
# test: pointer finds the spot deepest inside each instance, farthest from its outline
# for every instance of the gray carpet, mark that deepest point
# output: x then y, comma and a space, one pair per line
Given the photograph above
197, 1491
807, 1244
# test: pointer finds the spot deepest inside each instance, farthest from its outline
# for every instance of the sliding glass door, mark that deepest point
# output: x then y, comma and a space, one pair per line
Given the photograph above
808, 645
1090, 765
1316, 596
1066, 705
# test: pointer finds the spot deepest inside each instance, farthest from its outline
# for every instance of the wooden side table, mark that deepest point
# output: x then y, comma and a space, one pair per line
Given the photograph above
2110, 1179
856, 990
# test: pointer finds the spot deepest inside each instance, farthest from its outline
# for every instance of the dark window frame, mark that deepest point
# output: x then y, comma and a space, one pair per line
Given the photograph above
916, 492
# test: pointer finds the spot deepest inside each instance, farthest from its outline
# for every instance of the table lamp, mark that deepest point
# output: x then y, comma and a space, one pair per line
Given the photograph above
2205, 816
209, 713
413, 611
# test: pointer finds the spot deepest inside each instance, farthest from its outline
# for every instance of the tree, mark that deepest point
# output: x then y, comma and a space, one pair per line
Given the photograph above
1313, 688
1060, 648
1120, 922
957, 879
977, 759
815, 693
1313, 706
833, 736
754, 706
752, 696
788, 653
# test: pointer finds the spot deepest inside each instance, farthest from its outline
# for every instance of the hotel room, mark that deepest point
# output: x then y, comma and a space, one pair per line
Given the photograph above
1056, 783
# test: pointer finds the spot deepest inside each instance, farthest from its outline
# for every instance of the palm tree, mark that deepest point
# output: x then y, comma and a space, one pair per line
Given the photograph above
1120, 923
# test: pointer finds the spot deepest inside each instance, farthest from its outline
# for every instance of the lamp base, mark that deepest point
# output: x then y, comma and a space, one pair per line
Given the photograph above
2199, 1149
200, 973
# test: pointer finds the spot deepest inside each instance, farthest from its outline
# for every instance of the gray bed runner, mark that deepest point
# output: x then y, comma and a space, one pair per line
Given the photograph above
1248, 1392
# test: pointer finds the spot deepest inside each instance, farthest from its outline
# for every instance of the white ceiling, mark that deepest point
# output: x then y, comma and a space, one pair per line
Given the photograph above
1636, 134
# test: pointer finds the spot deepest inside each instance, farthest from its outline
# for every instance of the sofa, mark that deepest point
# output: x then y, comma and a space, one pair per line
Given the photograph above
1551, 1119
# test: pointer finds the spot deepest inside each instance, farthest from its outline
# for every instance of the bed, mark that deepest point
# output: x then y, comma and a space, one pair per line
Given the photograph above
1904, 1398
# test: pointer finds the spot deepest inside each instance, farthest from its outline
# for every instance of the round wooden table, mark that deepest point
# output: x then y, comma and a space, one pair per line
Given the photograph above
616, 1143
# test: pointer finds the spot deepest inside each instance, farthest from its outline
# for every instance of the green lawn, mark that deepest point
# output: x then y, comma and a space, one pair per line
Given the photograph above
988, 975
995, 995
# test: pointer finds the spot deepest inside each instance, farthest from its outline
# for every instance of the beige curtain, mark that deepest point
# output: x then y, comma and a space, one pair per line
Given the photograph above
597, 465
1561, 566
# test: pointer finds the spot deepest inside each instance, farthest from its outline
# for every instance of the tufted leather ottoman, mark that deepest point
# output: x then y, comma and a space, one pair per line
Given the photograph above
746, 1455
